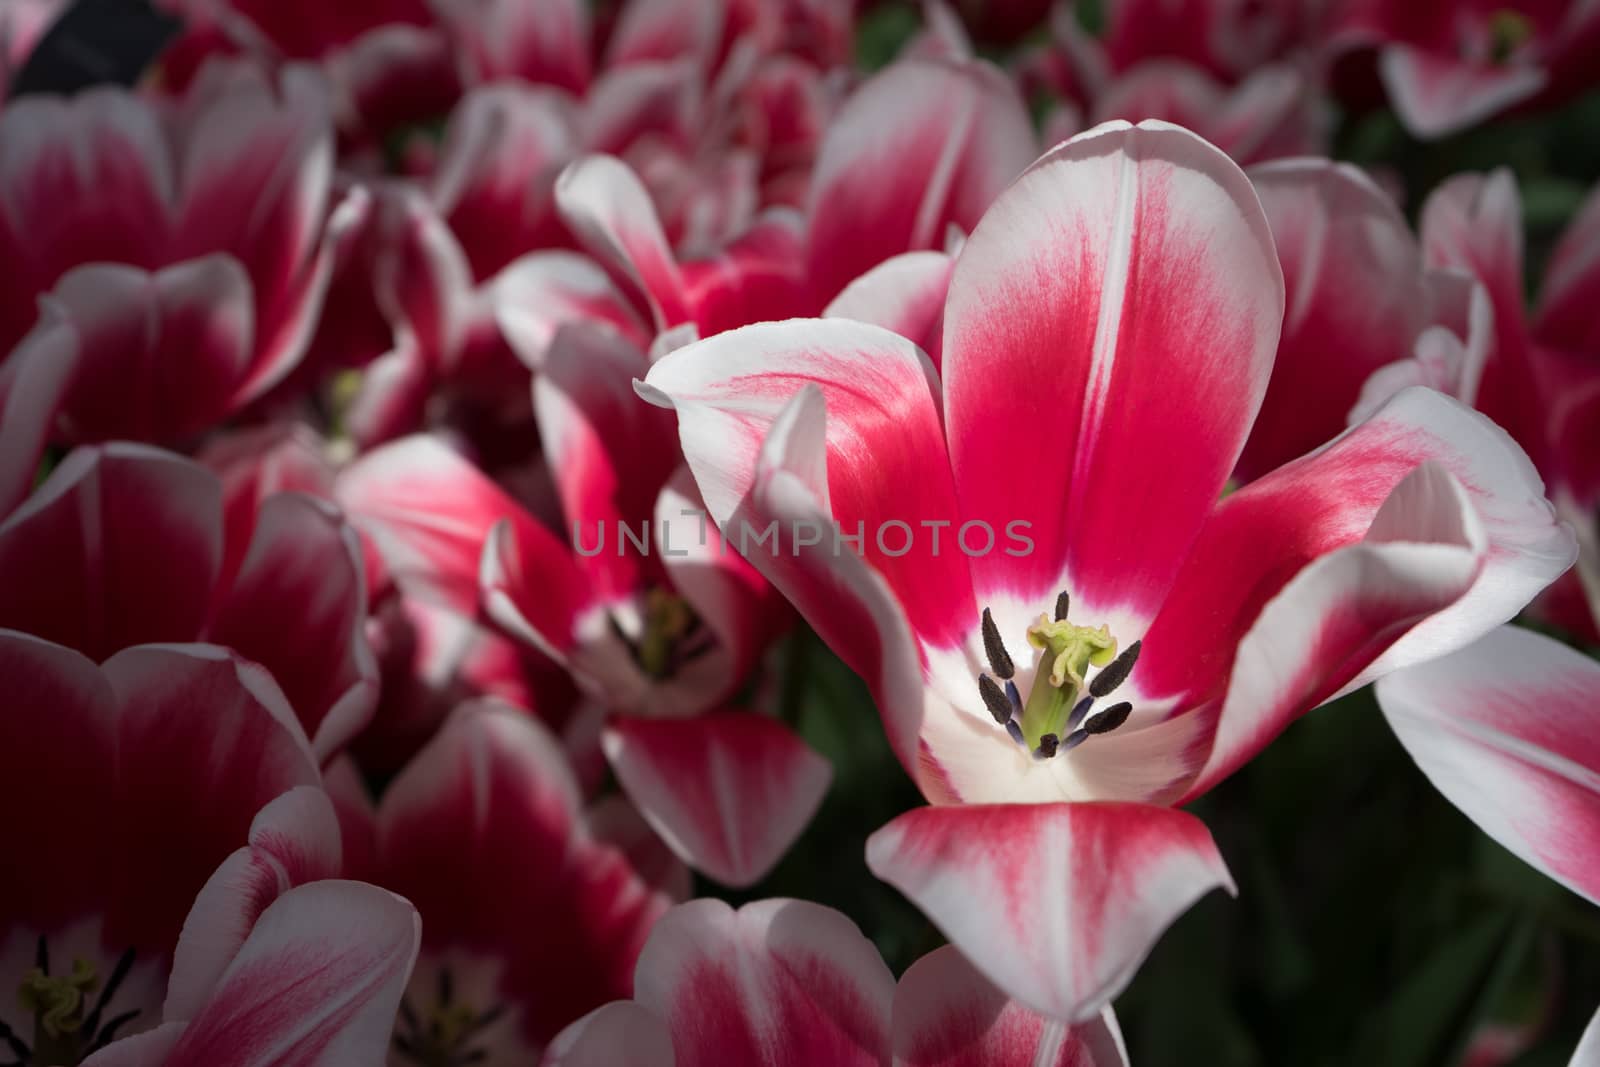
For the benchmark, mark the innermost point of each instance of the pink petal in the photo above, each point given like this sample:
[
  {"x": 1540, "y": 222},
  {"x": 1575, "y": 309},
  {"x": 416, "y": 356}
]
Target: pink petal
[
  {"x": 60, "y": 714},
  {"x": 317, "y": 983},
  {"x": 540, "y": 44},
  {"x": 481, "y": 831},
  {"x": 921, "y": 145},
  {"x": 86, "y": 179},
  {"x": 423, "y": 279},
  {"x": 1356, "y": 299},
  {"x": 393, "y": 395},
  {"x": 728, "y": 791},
  {"x": 641, "y": 100},
  {"x": 1425, "y": 549},
  {"x": 614, "y": 821},
  {"x": 299, "y": 608},
  {"x": 1125, "y": 293},
  {"x": 778, "y": 983},
  {"x": 162, "y": 353},
  {"x": 496, "y": 173},
  {"x": 1057, "y": 904},
  {"x": 610, "y": 211},
  {"x": 1572, "y": 283},
  {"x": 608, "y": 453},
  {"x": 946, "y": 1014},
  {"x": 118, "y": 547},
  {"x": 293, "y": 840},
  {"x": 619, "y": 1034},
  {"x": 149, "y": 1049},
  {"x": 33, "y": 383},
  {"x": 1266, "y": 533},
  {"x": 884, "y": 448},
  {"x": 906, "y": 294},
  {"x": 759, "y": 277},
  {"x": 539, "y": 293},
  {"x": 191, "y": 716},
  {"x": 666, "y": 29},
  {"x": 1436, "y": 95},
  {"x": 1505, "y": 729}
]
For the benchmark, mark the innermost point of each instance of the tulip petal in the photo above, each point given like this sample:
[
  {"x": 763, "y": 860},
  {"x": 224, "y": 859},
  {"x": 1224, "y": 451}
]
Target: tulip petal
[
  {"x": 1588, "y": 1053},
  {"x": 619, "y": 1034},
  {"x": 1505, "y": 729},
  {"x": 539, "y": 293},
  {"x": 1436, "y": 95},
  {"x": 921, "y": 145},
  {"x": 777, "y": 982},
  {"x": 299, "y": 608},
  {"x": 506, "y": 40},
  {"x": 728, "y": 791},
  {"x": 1266, "y": 533},
  {"x": 1424, "y": 551},
  {"x": 884, "y": 460},
  {"x": 482, "y": 831},
  {"x": 1056, "y": 904},
  {"x": 33, "y": 383},
  {"x": 609, "y": 209},
  {"x": 1107, "y": 343},
  {"x": 318, "y": 983},
  {"x": 946, "y": 1014},
  {"x": 1571, "y": 283},
  {"x": 1356, "y": 300},
  {"x": 120, "y": 546},
  {"x": 906, "y": 294}
]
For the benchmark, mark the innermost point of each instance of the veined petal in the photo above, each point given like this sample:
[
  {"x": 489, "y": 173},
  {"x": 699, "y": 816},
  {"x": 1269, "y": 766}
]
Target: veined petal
[
  {"x": 298, "y": 607},
  {"x": 904, "y": 293},
  {"x": 1107, "y": 342},
  {"x": 947, "y": 1014},
  {"x": 921, "y": 145},
  {"x": 609, "y": 453},
  {"x": 482, "y": 831},
  {"x": 293, "y": 840},
  {"x": 318, "y": 982},
  {"x": 1356, "y": 300},
  {"x": 778, "y": 983},
  {"x": 1425, "y": 549},
  {"x": 1260, "y": 537},
  {"x": 539, "y": 293},
  {"x": 1436, "y": 95},
  {"x": 728, "y": 791},
  {"x": 883, "y": 450},
  {"x": 619, "y": 1034},
  {"x": 1056, "y": 904},
  {"x": 609, "y": 209},
  {"x": 1572, "y": 284},
  {"x": 120, "y": 546},
  {"x": 1506, "y": 730}
]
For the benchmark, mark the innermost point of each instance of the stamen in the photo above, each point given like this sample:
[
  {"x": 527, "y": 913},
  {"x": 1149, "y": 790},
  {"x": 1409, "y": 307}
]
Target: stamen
[
  {"x": 1116, "y": 672},
  {"x": 1063, "y": 602},
  {"x": 1074, "y": 739},
  {"x": 1047, "y": 746},
  {"x": 1014, "y": 728},
  {"x": 1014, "y": 696},
  {"x": 1110, "y": 719},
  {"x": 995, "y": 699},
  {"x": 995, "y": 648},
  {"x": 1081, "y": 709}
]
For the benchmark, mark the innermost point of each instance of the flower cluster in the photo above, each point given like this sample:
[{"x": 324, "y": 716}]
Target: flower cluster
[{"x": 428, "y": 429}]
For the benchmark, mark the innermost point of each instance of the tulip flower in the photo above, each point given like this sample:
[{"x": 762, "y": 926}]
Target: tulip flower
[
  {"x": 1097, "y": 637},
  {"x": 787, "y": 983}
]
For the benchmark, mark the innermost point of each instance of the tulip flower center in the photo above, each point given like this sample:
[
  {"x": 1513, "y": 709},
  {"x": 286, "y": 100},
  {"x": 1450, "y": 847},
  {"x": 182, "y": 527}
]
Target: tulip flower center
[
  {"x": 667, "y": 636},
  {"x": 67, "y": 1016},
  {"x": 1508, "y": 31},
  {"x": 1056, "y": 715},
  {"x": 447, "y": 1033}
]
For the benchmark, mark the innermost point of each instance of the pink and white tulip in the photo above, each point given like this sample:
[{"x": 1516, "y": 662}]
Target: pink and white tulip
[
  {"x": 207, "y": 224},
  {"x": 787, "y": 983},
  {"x": 1108, "y": 337}
]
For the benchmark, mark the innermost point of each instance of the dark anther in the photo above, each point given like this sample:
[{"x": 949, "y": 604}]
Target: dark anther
[
  {"x": 1110, "y": 719},
  {"x": 484, "y": 1021},
  {"x": 1062, "y": 603},
  {"x": 408, "y": 1013},
  {"x": 107, "y": 991},
  {"x": 1116, "y": 672},
  {"x": 1047, "y": 746},
  {"x": 41, "y": 956},
  {"x": 15, "y": 1044},
  {"x": 447, "y": 986},
  {"x": 108, "y": 1034},
  {"x": 995, "y": 648},
  {"x": 994, "y": 698},
  {"x": 1079, "y": 710}
]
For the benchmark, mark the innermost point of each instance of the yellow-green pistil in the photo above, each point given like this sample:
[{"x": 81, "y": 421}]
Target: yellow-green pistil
[
  {"x": 667, "y": 620},
  {"x": 1508, "y": 31},
  {"x": 1069, "y": 650},
  {"x": 56, "y": 1003}
]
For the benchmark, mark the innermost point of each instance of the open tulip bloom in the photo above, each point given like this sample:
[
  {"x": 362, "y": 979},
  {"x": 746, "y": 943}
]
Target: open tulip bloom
[{"x": 1067, "y": 623}]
